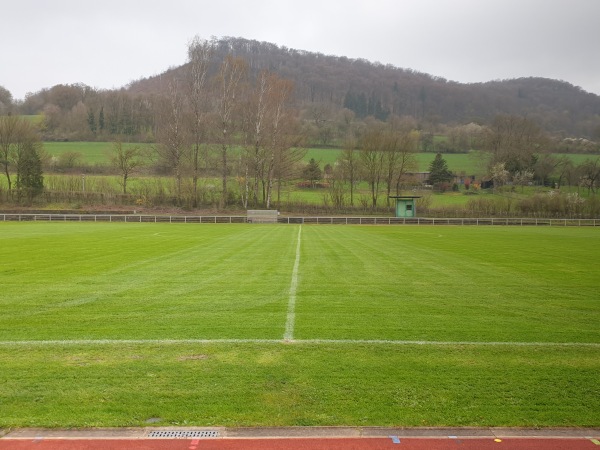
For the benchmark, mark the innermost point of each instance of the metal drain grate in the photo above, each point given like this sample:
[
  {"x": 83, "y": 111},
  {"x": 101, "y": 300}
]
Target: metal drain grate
[{"x": 183, "y": 434}]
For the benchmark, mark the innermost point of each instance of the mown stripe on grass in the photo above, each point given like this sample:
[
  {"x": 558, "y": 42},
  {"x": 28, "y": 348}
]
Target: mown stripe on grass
[{"x": 287, "y": 341}]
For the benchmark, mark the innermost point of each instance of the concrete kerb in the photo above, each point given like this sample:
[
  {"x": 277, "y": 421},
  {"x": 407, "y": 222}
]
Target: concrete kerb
[{"x": 305, "y": 432}]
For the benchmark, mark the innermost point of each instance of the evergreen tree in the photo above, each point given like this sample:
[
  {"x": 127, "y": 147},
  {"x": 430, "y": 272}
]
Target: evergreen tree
[
  {"x": 92, "y": 121},
  {"x": 30, "y": 181},
  {"x": 438, "y": 171},
  {"x": 312, "y": 172},
  {"x": 101, "y": 119}
]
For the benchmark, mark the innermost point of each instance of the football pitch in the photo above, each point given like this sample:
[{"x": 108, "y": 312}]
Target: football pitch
[{"x": 240, "y": 325}]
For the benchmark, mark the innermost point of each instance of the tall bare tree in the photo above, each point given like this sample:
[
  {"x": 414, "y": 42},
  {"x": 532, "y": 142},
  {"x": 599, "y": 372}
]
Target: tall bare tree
[
  {"x": 9, "y": 131},
  {"x": 199, "y": 55},
  {"x": 280, "y": 128},
  {"x": 255, "y": 123},
  {"x": 350, "y": 165},
  {"x": 270, "y": 137},
  {"x": 229, "y": 79},
  {"x": 371, "y": 145},
  {"x": 287, "y": 164},
  {"x": 171, "y": 134},
  {"x": 399, "y": 146}
]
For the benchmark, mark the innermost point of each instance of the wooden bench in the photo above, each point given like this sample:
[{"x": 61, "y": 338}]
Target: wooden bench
[{"x": 262, "y": 216}]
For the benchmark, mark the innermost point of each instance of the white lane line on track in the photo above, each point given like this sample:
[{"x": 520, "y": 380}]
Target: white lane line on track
[
  {"x": 291, "y": 311},
  {"x": 287, "y": 341}
]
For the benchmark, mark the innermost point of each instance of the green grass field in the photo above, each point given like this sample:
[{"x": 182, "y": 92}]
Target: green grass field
[
  {"x": 91, "y": 152},
  {"x": 117, "y": 324},
  {"x": 99, "y": 153}
]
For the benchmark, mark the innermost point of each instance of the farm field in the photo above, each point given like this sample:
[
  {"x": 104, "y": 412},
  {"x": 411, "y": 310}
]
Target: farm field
[
  {"x": 91, "y": 152},
  {"x": 98, "y": 153},
  {"x": 121, "y": 324}
]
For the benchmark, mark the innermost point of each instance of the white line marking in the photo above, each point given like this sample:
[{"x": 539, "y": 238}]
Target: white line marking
[
  {"x": 291, "y": 312},
  {"x": 287, "y": 341}
]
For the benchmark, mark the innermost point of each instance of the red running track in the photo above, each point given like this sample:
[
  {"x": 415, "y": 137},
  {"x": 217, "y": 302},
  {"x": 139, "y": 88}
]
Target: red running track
[{"x": 304, "y": 444}]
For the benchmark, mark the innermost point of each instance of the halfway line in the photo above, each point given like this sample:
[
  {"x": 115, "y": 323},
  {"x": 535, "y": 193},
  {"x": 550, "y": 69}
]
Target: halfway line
[
  {"x": 291, "y": 312},
  {"x": 297, "y": 342}
]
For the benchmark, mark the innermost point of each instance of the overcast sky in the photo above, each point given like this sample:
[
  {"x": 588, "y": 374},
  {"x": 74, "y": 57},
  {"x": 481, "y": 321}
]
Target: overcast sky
[{"x": 109, "y": 43}]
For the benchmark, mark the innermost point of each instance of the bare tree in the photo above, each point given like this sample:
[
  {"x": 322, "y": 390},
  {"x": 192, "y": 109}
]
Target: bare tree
[
  {"x": 399, "y": 145},
  {"x": 9, "y": 131},
  {"x": 280, "y": 125},
  {"x": 69, "y": 160},
  {"x": 543, "y": 168},
  {"x": 171, "y": 134},
  {"x": 373, "y": 158},
  {"x": 350, "y": 165},
  {"x": 255, "y": 126},
  {"x": 319, "y": 116},
  {"x": 229, "y": 79},
  {"x": 590, "y": 174},
  {"x": 287, "y": 165},
  {"x": 199, "y": 55},
  {"x": 270, "y": 136},
  {"x": 337, "y": 189},
  {"x": 127, "y": 160},
  {"x": 566, "y": 170},
  {"x": 514, "y": 141}
]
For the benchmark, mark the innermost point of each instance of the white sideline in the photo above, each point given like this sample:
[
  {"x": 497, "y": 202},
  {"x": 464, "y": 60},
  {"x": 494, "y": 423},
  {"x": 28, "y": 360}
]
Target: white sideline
[
  {"x": 288, "y": 342},
  {"x": 291, "y": 312}
]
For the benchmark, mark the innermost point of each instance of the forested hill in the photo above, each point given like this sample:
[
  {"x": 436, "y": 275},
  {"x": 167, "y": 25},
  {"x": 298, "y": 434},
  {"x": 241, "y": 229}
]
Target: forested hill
[{"x": 374, "y": 89}]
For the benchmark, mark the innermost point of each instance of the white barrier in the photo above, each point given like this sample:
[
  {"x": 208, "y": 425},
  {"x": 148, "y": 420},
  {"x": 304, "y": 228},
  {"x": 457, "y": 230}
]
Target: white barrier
[{"x": 272, "y": 218}]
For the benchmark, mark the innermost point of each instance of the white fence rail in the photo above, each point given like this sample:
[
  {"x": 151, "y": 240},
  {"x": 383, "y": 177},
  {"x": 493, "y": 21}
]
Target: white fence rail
[
  {"x": 133, "y": 218},
  {"x": 138, "y": 218}
]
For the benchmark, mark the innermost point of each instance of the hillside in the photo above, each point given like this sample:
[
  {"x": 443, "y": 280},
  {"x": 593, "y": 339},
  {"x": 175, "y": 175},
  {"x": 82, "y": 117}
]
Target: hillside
[{"x": 369, "y": 88}]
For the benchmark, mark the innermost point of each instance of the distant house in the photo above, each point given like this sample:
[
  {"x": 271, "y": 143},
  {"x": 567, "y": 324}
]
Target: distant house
[{"x": 417, "y": 177}]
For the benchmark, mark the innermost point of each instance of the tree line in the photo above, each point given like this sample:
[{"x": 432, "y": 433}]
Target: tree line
[
  {"x": 327, "y": 90},
  {"x": 247, "y": 134},
  {"x": 245, "y": 127}
]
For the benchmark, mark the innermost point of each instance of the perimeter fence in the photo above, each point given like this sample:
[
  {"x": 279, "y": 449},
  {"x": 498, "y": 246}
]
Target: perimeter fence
[{"x": 146, "y": 218}]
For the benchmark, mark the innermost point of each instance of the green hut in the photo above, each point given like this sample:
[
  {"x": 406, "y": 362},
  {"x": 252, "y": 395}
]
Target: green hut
[{"x": 406, "y": 206}]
